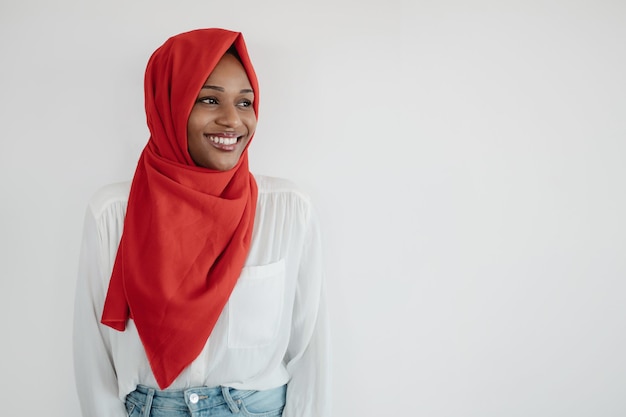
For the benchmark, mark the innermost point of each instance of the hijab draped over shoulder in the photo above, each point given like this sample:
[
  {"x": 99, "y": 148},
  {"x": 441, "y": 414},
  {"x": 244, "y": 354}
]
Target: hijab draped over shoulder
[{"x": 187, "y": 229}]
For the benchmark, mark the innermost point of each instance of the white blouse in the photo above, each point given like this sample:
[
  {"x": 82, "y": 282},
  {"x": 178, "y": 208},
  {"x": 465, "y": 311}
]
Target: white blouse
[{"x": 273, "y": 330}]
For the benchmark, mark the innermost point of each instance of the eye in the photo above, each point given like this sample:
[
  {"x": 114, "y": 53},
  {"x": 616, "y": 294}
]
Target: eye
[
  {"x": 245, "y": 103},
  {"x": 208, "y": 100}
]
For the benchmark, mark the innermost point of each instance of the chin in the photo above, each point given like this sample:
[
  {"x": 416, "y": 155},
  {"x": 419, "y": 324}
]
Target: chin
[{"x": 223, "y": 166}]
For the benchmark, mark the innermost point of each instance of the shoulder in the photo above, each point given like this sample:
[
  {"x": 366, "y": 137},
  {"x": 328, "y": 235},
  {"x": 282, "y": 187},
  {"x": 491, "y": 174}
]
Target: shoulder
[
  {"x": 282, "y": 200},
  {"x": 275, "y": 185},
  {"x": 109, "y": 196}
]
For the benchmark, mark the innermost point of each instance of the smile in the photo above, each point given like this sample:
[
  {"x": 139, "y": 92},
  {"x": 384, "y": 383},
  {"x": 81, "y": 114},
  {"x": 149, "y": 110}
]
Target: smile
[{"x": 222, "y": 140}]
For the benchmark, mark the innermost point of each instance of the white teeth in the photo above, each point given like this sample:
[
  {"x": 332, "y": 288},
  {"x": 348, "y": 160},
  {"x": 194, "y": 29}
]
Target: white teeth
[{"x": 223, "y": 141}]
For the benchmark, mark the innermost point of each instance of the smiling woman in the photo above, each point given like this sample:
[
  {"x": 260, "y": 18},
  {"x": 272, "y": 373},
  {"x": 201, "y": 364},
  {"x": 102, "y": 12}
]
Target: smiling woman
[
  {"x": 200, "y": 288},
  {"x": 222, "y": 120}
]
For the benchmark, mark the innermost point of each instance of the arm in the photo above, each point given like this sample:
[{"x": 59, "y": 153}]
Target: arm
[
  {"x": 96, "y": 380},
  {"x": 308, "y": 354}
]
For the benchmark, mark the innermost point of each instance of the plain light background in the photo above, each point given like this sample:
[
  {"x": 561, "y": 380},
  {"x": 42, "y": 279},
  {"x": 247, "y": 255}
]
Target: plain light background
[{"x": 466, "y": 159}]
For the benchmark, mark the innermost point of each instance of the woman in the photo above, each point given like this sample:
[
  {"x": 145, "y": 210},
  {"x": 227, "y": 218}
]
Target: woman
[{"x": 200, "y": 287}]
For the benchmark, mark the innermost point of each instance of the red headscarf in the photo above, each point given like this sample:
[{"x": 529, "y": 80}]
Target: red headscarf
[{"x": 187, "y": 229}]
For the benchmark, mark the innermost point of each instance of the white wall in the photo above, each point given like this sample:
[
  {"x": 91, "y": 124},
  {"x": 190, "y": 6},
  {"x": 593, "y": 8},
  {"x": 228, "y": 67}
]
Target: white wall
[{"x": 466, "y": 157}]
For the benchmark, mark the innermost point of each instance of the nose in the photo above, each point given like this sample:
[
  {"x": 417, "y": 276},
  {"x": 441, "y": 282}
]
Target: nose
[{"x": 228, "y": 116}]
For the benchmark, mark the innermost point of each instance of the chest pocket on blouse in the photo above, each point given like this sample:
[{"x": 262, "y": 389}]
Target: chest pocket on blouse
[{"x": 256, "y": 306}]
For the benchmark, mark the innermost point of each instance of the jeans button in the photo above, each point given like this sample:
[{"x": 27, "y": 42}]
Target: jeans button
[{"x": 193, "y": 398}]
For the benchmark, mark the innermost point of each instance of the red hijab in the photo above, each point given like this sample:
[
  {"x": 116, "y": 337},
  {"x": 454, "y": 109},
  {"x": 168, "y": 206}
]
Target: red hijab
[{"x": 187, "y": 229}]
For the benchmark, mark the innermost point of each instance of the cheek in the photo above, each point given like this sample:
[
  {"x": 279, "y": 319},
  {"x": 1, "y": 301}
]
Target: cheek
[
  {"x": 251, "y": 123},
  {"x": 193, "y": 124},
  {"x": 194, "y": 129}
]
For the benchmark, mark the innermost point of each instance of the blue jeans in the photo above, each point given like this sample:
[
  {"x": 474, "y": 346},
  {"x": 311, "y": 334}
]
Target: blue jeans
[{"x": 205, "y": 402}]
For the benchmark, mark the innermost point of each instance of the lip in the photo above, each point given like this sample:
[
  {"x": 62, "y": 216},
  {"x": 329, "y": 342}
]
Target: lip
[{"x": 223, "y": 146}]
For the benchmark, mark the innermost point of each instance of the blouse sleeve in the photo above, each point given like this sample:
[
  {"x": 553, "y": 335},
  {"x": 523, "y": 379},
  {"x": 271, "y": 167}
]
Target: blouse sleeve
[
  {"x": 308, "y": 353},
  {"x": 96, "y": 379}
]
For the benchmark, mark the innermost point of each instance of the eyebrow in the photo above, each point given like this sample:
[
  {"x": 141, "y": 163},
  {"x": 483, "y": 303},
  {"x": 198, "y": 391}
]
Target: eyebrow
[{"x": 215, "y": 87}]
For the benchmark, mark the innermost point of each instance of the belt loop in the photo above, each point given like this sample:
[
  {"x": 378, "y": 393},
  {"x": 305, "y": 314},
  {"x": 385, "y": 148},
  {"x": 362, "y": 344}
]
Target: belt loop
[
  {"x": 148, "y": 404},
  {"x": 229, "y": 400}
]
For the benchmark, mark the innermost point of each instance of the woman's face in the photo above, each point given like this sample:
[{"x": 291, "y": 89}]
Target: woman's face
[{"x": 222, "y": 120}]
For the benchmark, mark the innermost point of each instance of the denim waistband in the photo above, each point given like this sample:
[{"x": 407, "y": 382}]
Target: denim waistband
[{"x": 191, "y": 399}]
